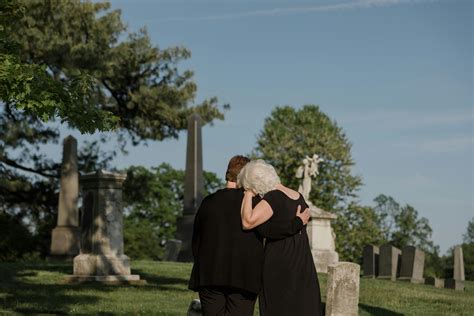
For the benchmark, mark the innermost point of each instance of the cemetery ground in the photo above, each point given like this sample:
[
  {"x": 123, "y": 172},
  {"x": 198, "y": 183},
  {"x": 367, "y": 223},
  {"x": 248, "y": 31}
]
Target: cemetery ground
[{"x": 37, "y": 288}]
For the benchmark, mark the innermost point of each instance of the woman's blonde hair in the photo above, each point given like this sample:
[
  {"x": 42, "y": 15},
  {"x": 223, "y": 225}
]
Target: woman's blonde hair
[{"x": 258, "y": 176}]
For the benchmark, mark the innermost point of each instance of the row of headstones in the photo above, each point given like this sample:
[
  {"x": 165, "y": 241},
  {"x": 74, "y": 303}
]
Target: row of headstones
[
  {"x": 342, "y": 291},
  {"x": 389, "y": 262}
]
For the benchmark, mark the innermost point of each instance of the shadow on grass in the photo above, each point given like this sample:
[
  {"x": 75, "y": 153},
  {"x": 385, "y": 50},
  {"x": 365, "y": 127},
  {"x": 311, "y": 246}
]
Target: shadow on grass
[
  {"x": 23, "y": 296},
  {"x": 155, "y": 282},
  {"x": 374, "y": 310}
]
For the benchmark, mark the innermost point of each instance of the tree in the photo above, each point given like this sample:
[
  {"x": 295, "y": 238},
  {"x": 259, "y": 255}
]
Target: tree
[
  {"x": 53, "y": 44},
  {"x": 29, "y": 87},
  {"x": 468, "y": 237},
  {"x": 357, "y": 226},
  {"x": 289, "y": 135},
  {"x": 402, "y": 227},
  {"x": 153, "y": 201}
]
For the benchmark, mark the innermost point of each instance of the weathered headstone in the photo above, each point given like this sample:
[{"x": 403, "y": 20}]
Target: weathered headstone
[
  {"x": 193, "y": 187},
  {"x": 342, "y": 291},
  {"x": 102, "y": 258},
  {"x": 389, "y": 262},
  {"x": 454, "y": 284},
  {"x": 439, "y": 283},
  {"x": 65, "y": 236},
  {"x": 413, "y": 263},
  {"x": 172, "y": 248},
  {"x": 194, "y": 308},
  {"x": 371, "y": 261},
  {"x": 457, "y": 282}
]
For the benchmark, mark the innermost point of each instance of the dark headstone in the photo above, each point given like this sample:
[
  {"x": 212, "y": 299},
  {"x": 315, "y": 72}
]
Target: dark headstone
[
  {"x": 389, "y": 262},
  {"x": 371, "y": 261},
  {"x": 193, "y": 187},
  {"x": 454, "y": 284},
  {"x": 413, "y": 261},
  {"x": 172, "y": 249},
  {"x": 439, "y": 283}
]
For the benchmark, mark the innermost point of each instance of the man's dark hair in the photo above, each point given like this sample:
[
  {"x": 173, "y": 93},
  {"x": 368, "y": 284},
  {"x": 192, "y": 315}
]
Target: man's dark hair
[{"x": 236, "y": 164}]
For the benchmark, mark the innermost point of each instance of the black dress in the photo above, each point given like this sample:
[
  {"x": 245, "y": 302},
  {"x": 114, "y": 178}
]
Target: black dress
[
  {"x": 290, "y": 281},
  {"x": 225, "y": 255}
]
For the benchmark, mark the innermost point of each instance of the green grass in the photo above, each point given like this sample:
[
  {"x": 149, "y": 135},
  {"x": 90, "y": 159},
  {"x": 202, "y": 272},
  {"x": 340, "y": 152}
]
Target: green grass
[{"x": 36, "y": 288}]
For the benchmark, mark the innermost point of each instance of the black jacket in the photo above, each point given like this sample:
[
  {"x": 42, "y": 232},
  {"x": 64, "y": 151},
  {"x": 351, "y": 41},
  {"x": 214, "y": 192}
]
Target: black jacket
[{"x": 224, "y": 253}]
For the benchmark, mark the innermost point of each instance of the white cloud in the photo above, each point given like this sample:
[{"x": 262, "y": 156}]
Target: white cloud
[{"x": 351, "y": 5}]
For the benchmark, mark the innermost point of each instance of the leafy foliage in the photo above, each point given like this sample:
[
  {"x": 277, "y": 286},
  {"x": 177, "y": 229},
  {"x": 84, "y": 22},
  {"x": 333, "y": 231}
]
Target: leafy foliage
[
  {"x": 468, "y": 237},
  {"x": 289, "y": 135},
  {"x": 74, "y": 60}
]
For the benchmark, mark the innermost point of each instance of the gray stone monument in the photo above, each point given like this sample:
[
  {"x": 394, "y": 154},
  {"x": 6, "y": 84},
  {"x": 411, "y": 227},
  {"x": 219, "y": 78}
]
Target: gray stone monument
[
  {"x": 458, "y": 264},
  {"x": 102, "y": 258},
  {"x": 193, "y": 187},
  {"x": 457, "y": 282},
  {"x": 371, "y": 261},
  {"x": 389, "y": 262},
  {"x": 413, "y": 264},
  {"x": 342, "y": 292},
  {"x": 320, "y": 233},
  {"x": 172, "y": 249},
  {"x": 65, "y": 237},
  {"x": 439, "y": 283}
]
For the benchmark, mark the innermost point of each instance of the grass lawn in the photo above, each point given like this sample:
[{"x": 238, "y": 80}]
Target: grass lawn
[{"x": 36, "y": 288}]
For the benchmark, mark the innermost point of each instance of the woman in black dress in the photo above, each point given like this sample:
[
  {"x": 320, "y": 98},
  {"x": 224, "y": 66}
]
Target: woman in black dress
[{"x": 290, "y": 281}]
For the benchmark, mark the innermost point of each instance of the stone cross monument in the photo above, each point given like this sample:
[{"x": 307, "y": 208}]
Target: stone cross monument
[
  {"x": 102, "y": 258},
  {"x": 320, "y": 233},
  {"x": 65, "y": 237},
  {"x": 193, "y": 187}
]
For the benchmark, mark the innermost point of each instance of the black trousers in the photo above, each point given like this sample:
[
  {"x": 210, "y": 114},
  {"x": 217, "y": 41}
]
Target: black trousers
[{"x": 217, "y": 301}]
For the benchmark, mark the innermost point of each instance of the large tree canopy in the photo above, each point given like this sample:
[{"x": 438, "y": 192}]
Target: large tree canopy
[
  {"x": 85, "y": 48},
  {"x": 74, "y": 61},
  {"x": 289, "y": 135}
]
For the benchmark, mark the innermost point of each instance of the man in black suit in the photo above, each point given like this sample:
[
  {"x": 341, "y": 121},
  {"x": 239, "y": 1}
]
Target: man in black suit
[{"x": 228, "y": 260}]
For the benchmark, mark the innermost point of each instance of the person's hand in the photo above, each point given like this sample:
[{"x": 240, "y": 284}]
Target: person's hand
[
  {"x": 304, "y": 216},
  {"x": 250, "y": 192}
]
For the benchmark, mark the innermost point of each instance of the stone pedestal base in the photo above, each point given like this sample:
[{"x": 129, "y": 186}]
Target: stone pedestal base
[
  {"x": 184, "y": 232},
  {"x": 101, "y": 265},
  {"x": 439, "y": 283},
  {"x": 457, "y": 285},
  {"x": 65, "y": 242},
  {"x": 411, "y": 280},
  {"x": 106, "y": 279},
  {"x": 323, "y": 258}
]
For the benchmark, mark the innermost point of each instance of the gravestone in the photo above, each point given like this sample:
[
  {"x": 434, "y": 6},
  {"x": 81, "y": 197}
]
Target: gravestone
[
  {"x": 65, "y": 236},
  {"x": 173, "y": 246},
  {"x": 439, "y": 283},
  {"x": 389, "y": 262},
  {"x": 321, "y": 238},
  {"x": 413, "y": 263},
  {"x": 457, "y": 282},
  {"x": 102, "y": 258},
  {"x": 193, "y": 187},
  {"x": 371, "y": 261},
  {"x": 342, "y": 291},
  {"x": 458, "y": 264}
]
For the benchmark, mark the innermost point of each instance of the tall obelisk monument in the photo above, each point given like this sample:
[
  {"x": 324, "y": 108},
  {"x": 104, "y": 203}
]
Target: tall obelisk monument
[
  {"x": 65, "y": 237},
  {"x": 193, "y": 187}
]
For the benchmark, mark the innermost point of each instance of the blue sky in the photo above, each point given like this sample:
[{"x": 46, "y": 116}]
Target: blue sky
[{"x": 396, "y": 75}]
